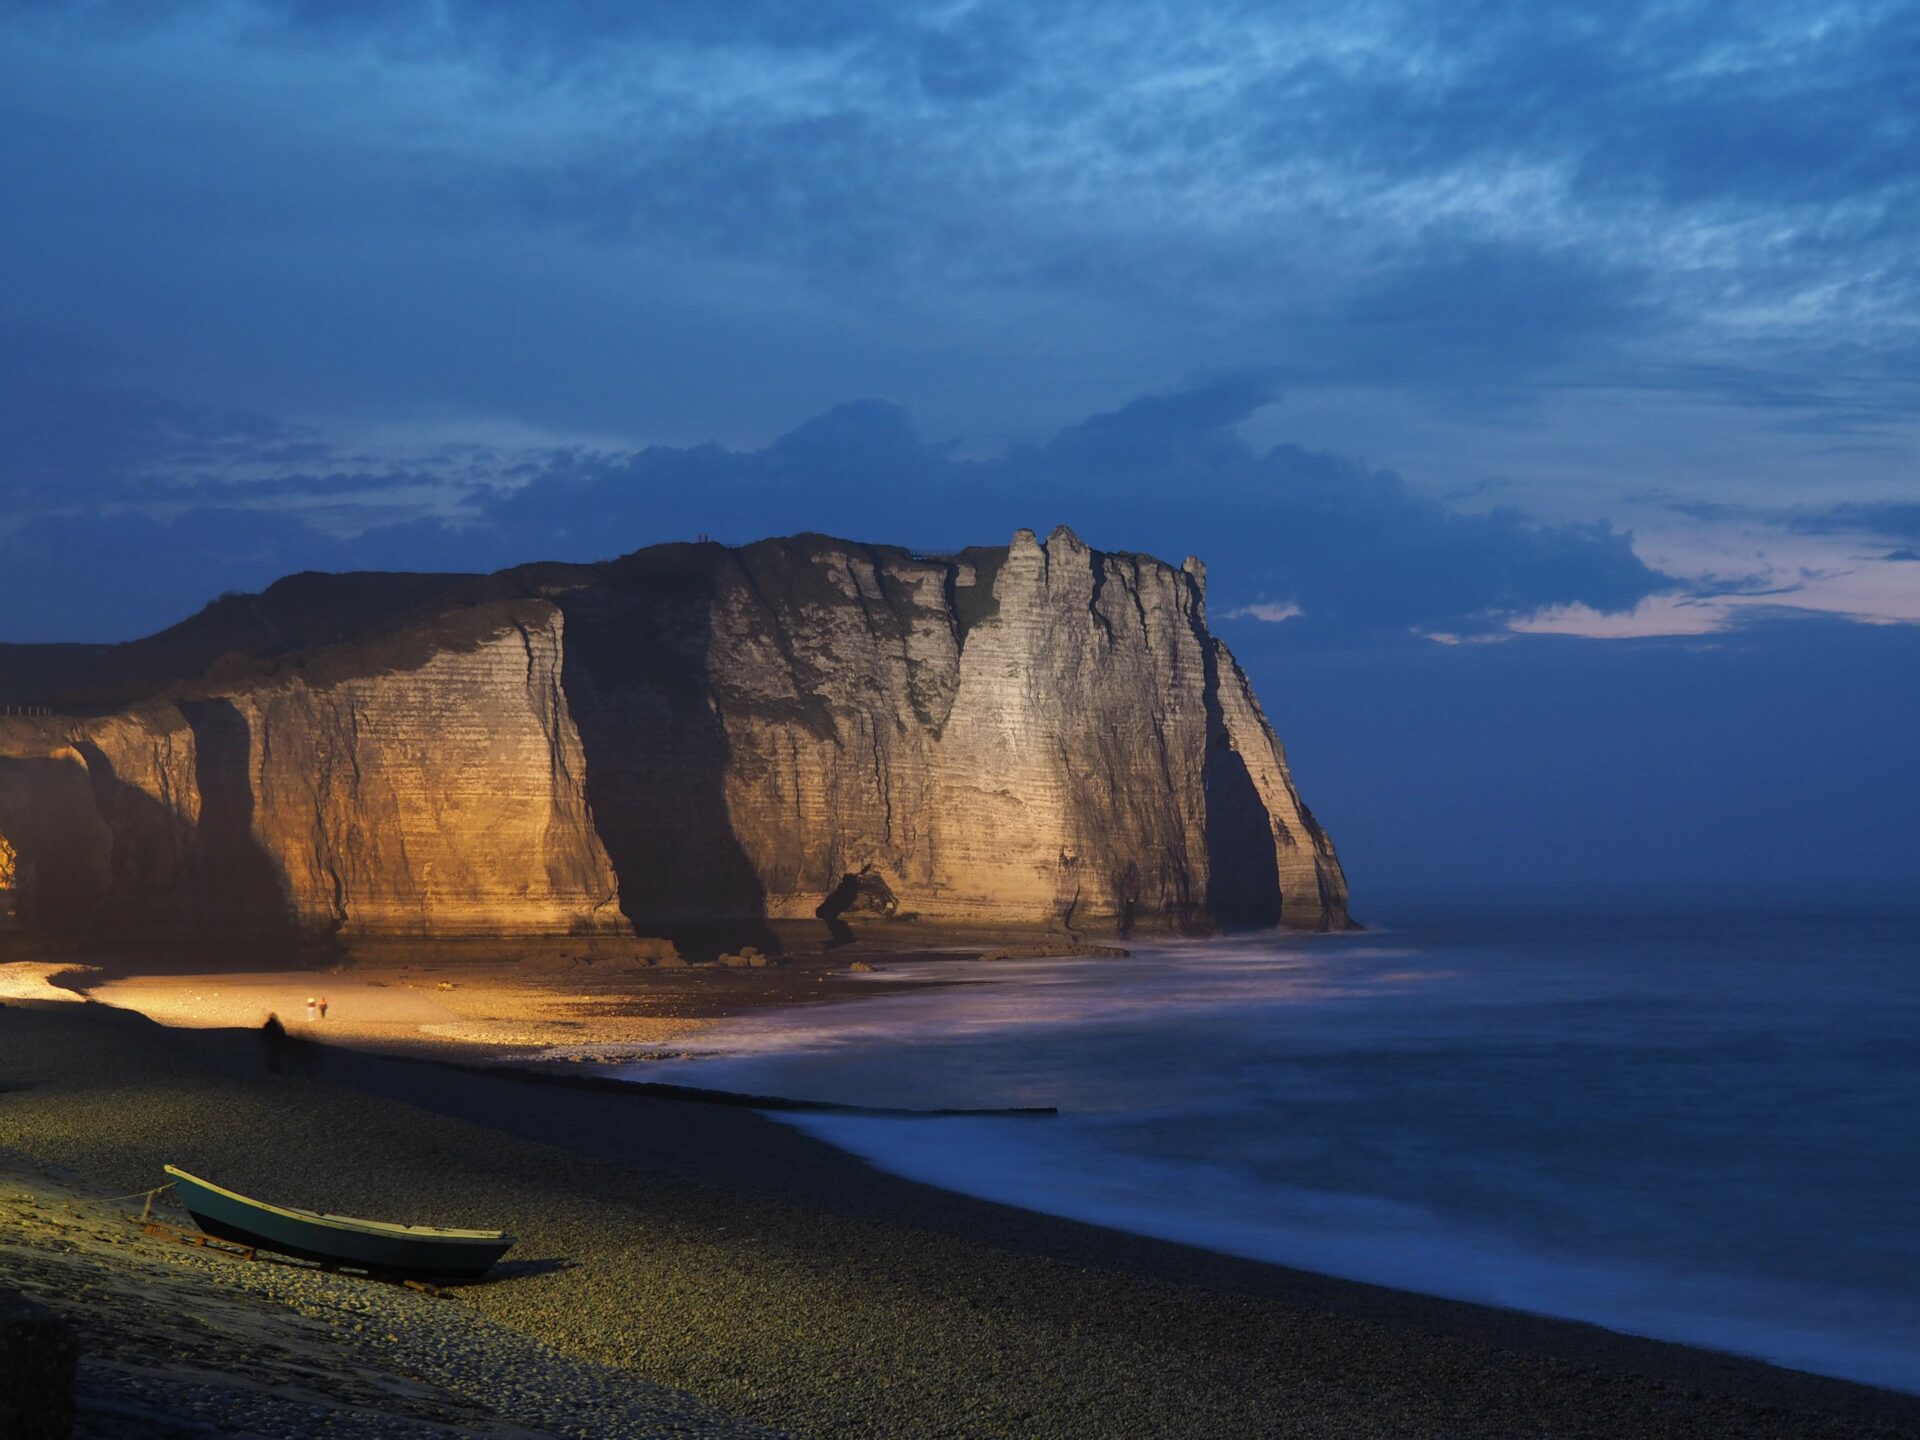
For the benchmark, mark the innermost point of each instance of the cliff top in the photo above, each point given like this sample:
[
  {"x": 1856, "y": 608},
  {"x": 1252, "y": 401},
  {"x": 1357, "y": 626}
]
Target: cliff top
[{"x": 296, "y": 621}]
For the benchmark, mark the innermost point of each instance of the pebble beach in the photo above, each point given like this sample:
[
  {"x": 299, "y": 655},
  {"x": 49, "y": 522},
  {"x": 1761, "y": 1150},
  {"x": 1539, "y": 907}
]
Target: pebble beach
[
  {"x": 687, "y": 1269},
  {"x": 187, "y": 1342}
]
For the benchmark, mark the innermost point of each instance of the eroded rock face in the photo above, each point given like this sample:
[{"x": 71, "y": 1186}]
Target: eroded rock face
[{"x": 1041, "y": 735}]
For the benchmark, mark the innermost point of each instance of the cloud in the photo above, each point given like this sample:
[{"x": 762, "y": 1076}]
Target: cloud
[
  {"x": 1152, "y": 432},
  {"x": 1505, "y": 250},
  {"x": 93, "y": 577},
  {"x": 89, "y": 576},
  {"x": 1266, "y": 611},
  {"x": 1898, "y": 520},
  {"x": 1762, "y": 122},
  {"x": 1485, "y": 308},
  {"x": 1356, "y": 548},
  {"x": 977, "y": 56},
  {"x": 673, "y": 220},
  {"x": 1656, "y": 615},
  {"x": 1748, "y": 560},
  {"x": 1345, "y": 550},
  {"x": 62, "y": 432}
]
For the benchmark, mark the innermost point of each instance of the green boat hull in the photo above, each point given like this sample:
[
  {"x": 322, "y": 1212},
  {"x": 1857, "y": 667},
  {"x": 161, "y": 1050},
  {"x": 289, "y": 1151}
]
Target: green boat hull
[{"x": 336, "y": 1240}]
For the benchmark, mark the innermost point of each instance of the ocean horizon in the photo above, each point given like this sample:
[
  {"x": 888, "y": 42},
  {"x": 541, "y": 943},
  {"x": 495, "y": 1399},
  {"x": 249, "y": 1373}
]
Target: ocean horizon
[{"x": 1689, "y": 1119}]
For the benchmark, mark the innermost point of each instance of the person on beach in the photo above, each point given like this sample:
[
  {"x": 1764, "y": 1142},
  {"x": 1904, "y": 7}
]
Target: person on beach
[
  {"x": 310, "y": 1009},
  {"x": 323, "y": 1007}
]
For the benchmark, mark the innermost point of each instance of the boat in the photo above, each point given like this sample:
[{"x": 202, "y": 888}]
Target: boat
[{"x": 380, "y": 1247}]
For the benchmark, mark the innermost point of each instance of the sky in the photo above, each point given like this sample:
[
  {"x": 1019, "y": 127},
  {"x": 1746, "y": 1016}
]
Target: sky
[{"x": 1538, "y": 382}]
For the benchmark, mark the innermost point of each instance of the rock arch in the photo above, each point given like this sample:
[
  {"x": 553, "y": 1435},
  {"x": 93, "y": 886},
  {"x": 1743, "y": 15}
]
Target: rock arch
[
  {"x": 61, "y": 848},
  {"x": 9, "y": 874}
]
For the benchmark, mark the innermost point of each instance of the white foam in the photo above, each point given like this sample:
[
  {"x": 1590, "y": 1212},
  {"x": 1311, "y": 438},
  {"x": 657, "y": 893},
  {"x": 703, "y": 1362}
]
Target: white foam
[
  {"x": 1036, "y": 1166},
  {"x": 1684, "y": 1143}
]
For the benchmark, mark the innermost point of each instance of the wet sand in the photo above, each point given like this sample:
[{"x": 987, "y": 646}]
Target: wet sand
[
  {"x": 400, "y": 1008},
  {"x": 715, "y": 1252},
  {"x": 601, "y": 1000}
]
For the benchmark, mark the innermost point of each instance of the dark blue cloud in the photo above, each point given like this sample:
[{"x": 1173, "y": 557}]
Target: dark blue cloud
[
  {"x": 65, "y": 436},
  {"x": 1895, "y": 520},
  {"x": 90, "y": 577},
  {"x": 1448, "y": 312},
  {"x": 1155, "y": 432},
  {"x": 972, "y": 57},
  {"x": 509, "y": 31},
  {"x": 1679, "y": 103},
  {"x": 1489, "y": 243},
  {"x": 604, "y": 217},
  {"x": 1809, "y": 119},
  {"x": 1355, "y": 549}
]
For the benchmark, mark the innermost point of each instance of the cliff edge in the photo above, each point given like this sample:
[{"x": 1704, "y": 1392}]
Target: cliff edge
[{"x": 1041, "y": 734}]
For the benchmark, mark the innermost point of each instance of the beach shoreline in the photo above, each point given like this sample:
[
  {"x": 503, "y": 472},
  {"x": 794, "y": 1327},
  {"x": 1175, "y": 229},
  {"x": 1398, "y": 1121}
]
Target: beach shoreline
[
  {"x": 604, "y": 1000},
  {"x": 716, "y": 1252}
]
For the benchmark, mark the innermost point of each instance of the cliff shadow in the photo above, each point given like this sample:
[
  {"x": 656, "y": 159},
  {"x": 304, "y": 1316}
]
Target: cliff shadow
[
  {"x": 635, "y": 674},
  {"x": 151, "y": 843},
  {"x": 234, "y": 881},
  {"x": 1243, "y": 863},
  {"x": 92, "y": 853},
  {"x": 58, "y": 850},
  {"x": 1243, "y": 870}
]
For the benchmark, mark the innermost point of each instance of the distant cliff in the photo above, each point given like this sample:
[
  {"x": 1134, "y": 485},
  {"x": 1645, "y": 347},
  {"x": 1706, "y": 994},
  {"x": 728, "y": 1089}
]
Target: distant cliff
[{"x": 1040, "y": 734}]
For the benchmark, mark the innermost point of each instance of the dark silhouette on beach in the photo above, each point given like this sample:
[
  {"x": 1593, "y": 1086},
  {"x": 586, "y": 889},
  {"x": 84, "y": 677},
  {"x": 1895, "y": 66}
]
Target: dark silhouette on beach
[{"x": 284, "y": 1054}]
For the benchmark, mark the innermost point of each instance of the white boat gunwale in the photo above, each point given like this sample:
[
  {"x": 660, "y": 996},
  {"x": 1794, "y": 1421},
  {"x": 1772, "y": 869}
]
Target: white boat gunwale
[{"x": 345, "y": 1222}]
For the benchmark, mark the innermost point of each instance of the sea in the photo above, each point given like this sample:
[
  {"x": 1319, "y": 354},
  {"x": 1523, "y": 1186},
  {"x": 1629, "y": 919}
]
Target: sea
[{"x": 1696, "y": 1119}]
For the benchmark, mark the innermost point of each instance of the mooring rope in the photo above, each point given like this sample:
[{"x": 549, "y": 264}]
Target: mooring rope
[
  {"x": 146, "y": 1210},
  {"x": 139, "y": 1194}
]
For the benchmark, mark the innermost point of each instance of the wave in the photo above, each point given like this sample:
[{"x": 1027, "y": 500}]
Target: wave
[
  {"x": 1685, "y": 1132},
  {"x": 1386, "y": 1242}
]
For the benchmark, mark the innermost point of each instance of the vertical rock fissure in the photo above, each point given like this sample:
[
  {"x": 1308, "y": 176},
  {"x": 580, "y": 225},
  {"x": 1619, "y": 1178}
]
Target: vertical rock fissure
[
  {"x": 1099, "y": 567},
  {"x": 1135, "y": 587},
  {"x": 950, "y": 592},
  {"x": 883, "y": 781},
  {"x": 324, "y": 840}
]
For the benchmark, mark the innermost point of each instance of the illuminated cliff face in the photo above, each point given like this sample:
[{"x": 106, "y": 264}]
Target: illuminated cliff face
[
  {"x": 1038, "y": 735},
  {"x": 9, "y": 868}
]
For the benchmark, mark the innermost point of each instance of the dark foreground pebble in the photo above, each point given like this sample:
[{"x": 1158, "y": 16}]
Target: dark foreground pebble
[{"x": 717, "y": 1254}]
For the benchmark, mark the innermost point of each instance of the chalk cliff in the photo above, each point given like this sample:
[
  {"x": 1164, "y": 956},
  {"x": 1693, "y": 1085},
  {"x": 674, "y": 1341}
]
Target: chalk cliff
[{"x": 1040, "y": 734}]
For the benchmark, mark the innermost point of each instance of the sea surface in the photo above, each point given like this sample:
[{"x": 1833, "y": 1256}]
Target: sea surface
[{"x": 1700, "y": 1123}]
